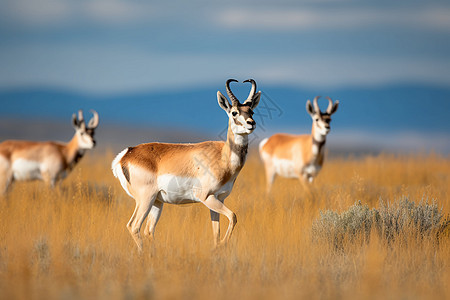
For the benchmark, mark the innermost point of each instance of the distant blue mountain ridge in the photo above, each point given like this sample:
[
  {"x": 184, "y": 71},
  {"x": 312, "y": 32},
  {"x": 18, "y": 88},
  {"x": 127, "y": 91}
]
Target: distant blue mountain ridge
[{"x": 396, "y": 109}]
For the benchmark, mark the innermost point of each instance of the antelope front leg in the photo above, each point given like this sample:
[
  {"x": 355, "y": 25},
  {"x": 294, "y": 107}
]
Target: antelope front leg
[
  {"x": 217, "y": 206},
  {"x": 305, "y": 181},
  {"x": 49, "y": 178}
]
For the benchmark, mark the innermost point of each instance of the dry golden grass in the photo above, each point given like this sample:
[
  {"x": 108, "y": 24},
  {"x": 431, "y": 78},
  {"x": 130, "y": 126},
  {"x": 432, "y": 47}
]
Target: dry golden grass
[{"x": 72, "y": 242}]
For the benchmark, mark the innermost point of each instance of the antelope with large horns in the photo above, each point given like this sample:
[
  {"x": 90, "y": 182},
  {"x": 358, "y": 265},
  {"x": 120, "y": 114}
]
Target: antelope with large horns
[
  {"x": 48, "y": 161},
  {"x": 158, "y": 173},
  {"x": 298, "y": 156}
]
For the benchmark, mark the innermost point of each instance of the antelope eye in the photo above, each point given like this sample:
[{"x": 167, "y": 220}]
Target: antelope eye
[
  {"x": 234, "y": 113},
  {"x": 317, "y": 119}
]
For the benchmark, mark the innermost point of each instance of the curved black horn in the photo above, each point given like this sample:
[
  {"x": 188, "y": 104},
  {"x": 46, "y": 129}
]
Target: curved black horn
[
  {"x": 80, "y": 116},
  {"x": 93, "y": 123},
  {"x": 252, "y": 91},
  {"x": 234, "y": 100},
  {"x": 316, "y": 105},
  {"x": 330, "y": 104}
]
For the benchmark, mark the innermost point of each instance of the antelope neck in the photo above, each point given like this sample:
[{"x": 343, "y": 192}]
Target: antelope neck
[
  {"x": 238, "y": 146},
  {"x": 318, "y": 141},
  {"x": 72, "y": 152}
]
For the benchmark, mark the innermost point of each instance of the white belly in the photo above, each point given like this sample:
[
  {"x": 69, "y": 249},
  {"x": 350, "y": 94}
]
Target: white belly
[
  {"x": 26, "y": 169},
  {"x": 179, "y": 190},
  {"x": 285, "y": 168}
]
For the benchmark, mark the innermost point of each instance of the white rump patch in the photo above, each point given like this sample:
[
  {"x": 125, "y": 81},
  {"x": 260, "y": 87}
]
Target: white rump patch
[
  {"x": 262, "y": 143},
  {"x": 115, "y": 166},
  {"x": 118, "y": 173}
]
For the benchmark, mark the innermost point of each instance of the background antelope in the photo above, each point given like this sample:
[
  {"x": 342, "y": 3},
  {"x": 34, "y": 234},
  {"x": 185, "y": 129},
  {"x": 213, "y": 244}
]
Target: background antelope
[
  {"x": 298, "y": 156},
  {"x": 158, "y": 173},
  {"x": 47, "y": 161}
]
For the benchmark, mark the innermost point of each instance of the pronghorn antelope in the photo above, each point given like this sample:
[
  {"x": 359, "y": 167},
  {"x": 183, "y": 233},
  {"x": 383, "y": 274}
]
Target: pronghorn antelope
[
  {"x": 158, "y": 173},
  {"x": 47, "y": 161},
  {"x": 298, "y": 156}
]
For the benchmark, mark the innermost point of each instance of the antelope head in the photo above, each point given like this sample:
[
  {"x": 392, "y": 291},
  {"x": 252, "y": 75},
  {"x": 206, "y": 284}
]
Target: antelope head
[
  {"x": 240, "y": 115},
  {"x": 321, "y": 120},
  {"x": 85, "y": 133}
]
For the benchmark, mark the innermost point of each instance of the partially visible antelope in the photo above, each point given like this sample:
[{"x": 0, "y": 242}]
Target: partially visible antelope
[
  {"x": 158, "y": 173},
  {"x": 47, "y": 161},
  {"x": 298, "y": 156}
]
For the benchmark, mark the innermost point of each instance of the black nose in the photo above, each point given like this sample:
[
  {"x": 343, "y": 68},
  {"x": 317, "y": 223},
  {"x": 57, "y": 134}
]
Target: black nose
[{"x": 252, "y": 122}]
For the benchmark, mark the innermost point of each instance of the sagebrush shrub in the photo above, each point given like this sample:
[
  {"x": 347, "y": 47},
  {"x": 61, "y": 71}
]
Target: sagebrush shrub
[
  {"x": 401, "y": 218},
  {"x": 405, "y": 217}
]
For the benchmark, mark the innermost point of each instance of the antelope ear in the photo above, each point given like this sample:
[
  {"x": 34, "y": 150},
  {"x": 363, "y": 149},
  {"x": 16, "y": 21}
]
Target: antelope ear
[
  {"x": 309, "y": 108},
  {"x": 223, "y": 102},
  {"x": 335, "y": 107},
  {"x": 255, "y": 100}
]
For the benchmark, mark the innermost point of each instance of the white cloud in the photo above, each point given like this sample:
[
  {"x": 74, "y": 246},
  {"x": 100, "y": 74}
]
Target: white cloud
[
  {"x": 57, "y": 12},
  {"x": 42, "y": 12},
  {"x": 117, "y": 10},
  {"x": 329, "y": 71},
  {"x": 286, "y": 15},
  {"x": 87, "y": 64},
  {"x": 435, "y": 18},
  {"x": 104, "y": 69}
]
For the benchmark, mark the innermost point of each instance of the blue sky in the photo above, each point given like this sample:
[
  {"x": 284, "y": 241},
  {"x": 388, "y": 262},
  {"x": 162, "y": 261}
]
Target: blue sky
[{"x": 118, "y": 46}]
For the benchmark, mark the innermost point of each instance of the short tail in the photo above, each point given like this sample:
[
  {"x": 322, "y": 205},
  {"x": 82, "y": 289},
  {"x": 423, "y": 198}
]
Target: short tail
[
  {"x": 116, "y": 166},
  {"x": 117, "y": 170},
  {"x": 261, "y": 144}
]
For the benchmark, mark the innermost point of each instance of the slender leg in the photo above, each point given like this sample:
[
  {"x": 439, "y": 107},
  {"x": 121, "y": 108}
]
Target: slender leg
[
  {"x": 143, "y": 206},
  {"x": 153, "y": 218},
  {"x": 305, "y": 180},
  {"x": 270, "y": 176},
  {"x": 217, "y": 206},
  {"x": 6, "y": 176},
  {"x": 4, "y": 184},
  {"x": 48, "y": 178},
  {"x": 215, "y": 226}
]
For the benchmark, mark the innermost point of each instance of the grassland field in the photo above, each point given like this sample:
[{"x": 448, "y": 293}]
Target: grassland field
[{"x": 71, "y": 242}]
